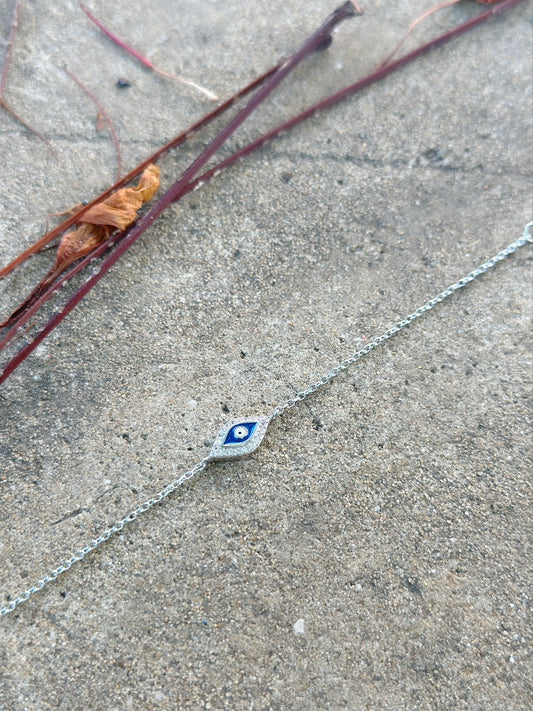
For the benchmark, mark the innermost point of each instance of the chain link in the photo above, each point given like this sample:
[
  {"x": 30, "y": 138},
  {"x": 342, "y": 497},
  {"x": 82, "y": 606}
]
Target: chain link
[{"x": 200, "y": 466}]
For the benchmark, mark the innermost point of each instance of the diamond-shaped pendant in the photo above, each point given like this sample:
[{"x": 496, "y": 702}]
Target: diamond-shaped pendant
[{"x": 239, "y": 438}]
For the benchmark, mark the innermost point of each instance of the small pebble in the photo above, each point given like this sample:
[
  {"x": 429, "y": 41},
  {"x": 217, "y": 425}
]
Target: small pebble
[{"x": 299, "y": 627}]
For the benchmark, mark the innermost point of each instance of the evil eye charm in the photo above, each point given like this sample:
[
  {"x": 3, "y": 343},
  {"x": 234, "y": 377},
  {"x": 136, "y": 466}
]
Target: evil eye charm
[{"x": 239, "y": 438}]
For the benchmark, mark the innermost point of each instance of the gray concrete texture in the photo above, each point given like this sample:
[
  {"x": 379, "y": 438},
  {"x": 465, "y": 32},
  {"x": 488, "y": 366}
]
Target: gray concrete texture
[{"x": 375, "y": 552}]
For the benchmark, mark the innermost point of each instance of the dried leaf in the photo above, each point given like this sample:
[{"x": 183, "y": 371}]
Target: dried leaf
[
  {"x": 115, "y": 212},
  {"x": 120, "y": 209},
  {"x": 77, "y": 244}
]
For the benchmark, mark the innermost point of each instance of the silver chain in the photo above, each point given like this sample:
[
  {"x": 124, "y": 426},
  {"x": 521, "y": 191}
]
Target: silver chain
[
  {"x": 102, "y": 538},
  {"x": 526, "y": 237},
  {"x": 200, "y": 466}
]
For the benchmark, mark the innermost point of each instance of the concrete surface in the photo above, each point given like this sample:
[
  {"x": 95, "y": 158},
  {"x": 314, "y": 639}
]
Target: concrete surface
[{"x": 375, "y": 552}]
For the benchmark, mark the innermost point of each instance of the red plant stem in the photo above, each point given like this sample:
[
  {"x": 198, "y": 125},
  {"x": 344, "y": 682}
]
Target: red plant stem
[
  {"x": 174, "y": 143},
  {"x": 136, "y": 230},
  {"x": 104, "y": 114},
  {"x": 143, "y": 60},
  {"x": 116, "y": 40}
]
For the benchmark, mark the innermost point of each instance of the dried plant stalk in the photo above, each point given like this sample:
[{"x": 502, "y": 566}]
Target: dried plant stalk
[{"x": 319, "y": 39}]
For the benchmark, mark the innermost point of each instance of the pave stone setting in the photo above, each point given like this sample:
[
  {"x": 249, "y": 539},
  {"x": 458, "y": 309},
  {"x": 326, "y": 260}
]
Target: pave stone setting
[{"x": 239, "y": 438}]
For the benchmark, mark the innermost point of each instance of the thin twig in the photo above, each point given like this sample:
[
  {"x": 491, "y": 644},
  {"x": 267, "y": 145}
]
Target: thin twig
[
  {"x": 3, "y": 77},
  {"x": 139, "y": 57},
  {"x": 105, "y": 115},
  {"x": 27, "y": 126},
  {"x": 69, "y": 211}
]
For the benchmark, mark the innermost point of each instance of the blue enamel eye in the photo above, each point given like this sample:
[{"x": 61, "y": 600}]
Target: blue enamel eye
[{"x": 240, "y": 433}]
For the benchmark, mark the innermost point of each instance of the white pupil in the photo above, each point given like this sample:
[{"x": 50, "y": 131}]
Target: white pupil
[{"x": 240, "y": 432}]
